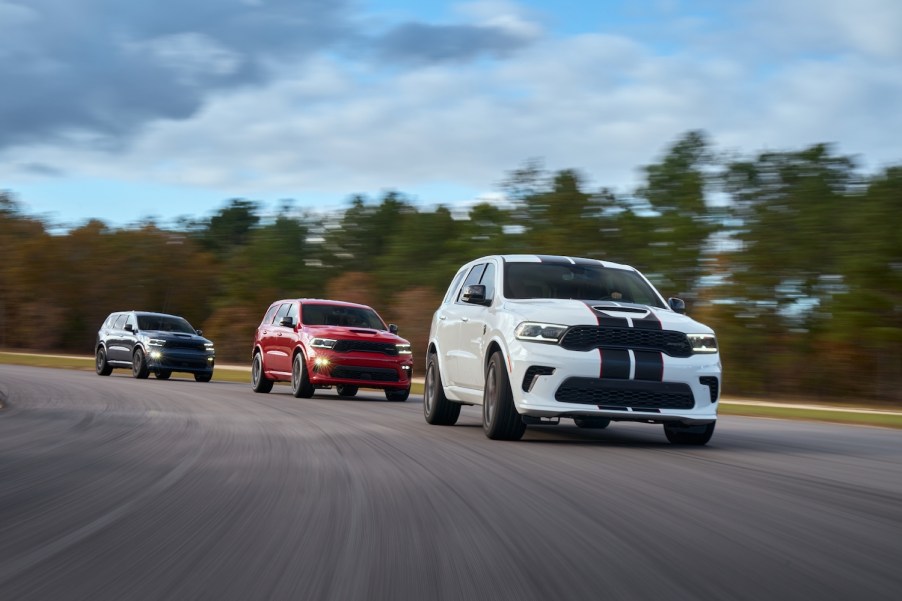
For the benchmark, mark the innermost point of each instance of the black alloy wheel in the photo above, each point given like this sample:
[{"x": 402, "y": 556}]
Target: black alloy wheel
[
  {"x": 301, "y": 387},
  {"x": 500, "y": 419},
  {"x": 437, "y": 409},
  {"x": 102, "y": 367},
  {"x": 139, "y": 365},
  {"x": 259, "y": 382}
]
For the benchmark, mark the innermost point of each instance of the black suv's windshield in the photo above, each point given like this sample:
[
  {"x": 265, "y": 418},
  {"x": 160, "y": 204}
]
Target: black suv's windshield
[
  {"x": 582, "y": 282},
  {"x": 164, "y": 323},
  {"x": 340, "y": 315}
]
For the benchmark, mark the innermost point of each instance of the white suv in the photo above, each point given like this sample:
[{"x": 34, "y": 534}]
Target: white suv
[{"x": 536, "y": 338}]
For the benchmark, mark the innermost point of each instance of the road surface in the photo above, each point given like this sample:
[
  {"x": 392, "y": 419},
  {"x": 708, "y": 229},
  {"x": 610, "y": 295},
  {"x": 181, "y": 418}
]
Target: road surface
[{"x": 114, "y": 488}]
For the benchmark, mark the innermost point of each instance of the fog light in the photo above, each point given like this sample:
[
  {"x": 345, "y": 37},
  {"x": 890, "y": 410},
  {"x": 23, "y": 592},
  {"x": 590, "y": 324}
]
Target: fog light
[
  {"x": 321, "y": 362},
  {"x": 405, "y": 367},
  {"x": 155, "y": 354}
]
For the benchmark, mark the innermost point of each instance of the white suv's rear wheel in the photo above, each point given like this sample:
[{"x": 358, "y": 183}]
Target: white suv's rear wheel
[{"x": 500, "y": 419}]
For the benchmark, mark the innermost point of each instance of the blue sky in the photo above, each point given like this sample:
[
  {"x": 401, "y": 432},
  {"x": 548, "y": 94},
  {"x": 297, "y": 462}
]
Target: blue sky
[{"x": 166, "y": 109}]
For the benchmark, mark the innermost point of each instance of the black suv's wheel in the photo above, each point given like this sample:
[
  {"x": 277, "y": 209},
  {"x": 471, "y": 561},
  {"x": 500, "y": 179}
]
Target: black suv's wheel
[
  {"x": 346, "y": 390},
  {"x": 300, "y": 383},
  {"x": 259, "y": 382},
  {"x": 103, "y": 368},
  {"x": 163, "y": 374},
  {"x": 500, "y": 419},
  {"x": 689, "y": 435},
  {"x": 396, "y": 394},
  {"x": 437, "y": 409},
  {"x": 592, "y": 423},
  {"x": 139, "y": 365},
  {"x": 203, "y": 377}
]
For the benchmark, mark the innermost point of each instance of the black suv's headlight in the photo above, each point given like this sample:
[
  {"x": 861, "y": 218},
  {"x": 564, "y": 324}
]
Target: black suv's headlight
[
  {"x": 540, "y": 332},
  {"x": 156, "y": 342},
  {"x": 703, "y": 343}
]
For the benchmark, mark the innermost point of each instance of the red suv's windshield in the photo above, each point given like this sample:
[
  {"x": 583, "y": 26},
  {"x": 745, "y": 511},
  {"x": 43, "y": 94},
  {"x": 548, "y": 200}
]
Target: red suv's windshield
[{"x": 340, "y": 315}]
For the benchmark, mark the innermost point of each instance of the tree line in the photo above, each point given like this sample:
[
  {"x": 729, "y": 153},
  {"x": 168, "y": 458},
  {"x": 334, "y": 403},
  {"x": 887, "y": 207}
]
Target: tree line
[{"x": 794, "y": 257}]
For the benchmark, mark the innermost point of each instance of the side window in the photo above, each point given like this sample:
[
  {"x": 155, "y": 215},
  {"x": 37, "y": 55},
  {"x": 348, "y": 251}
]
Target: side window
[
  {"x": 452, "y": 289},
  {"x": 132, "y": 320},
  {"x": 293, "y": 312},
  {"x": 267, "y": 319},
  {"x": 488, "y": 280},
  {"x": 120, "y": 321},
  {"x": 472, "y": 278},
  {"x": 283, "y": 311}
]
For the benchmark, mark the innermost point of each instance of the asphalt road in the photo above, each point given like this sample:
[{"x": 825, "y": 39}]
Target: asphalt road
[{"x": 114, "y": 488}]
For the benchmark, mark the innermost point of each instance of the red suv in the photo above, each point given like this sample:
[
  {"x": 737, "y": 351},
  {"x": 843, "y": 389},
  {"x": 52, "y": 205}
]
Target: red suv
[{"x": 315, "y": 343}]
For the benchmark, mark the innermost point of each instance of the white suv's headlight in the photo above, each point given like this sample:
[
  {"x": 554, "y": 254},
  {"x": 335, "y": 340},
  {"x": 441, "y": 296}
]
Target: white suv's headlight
[
  {"x": 540, "y": 332},
  {"x": 323, "y": 343},
  {"x": 703, "y": 343},
  {"x": 403, "y": 349}
]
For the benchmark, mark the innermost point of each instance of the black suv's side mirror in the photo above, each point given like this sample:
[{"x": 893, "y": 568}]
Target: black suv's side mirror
[
  {"x": 393, "y": 328},
  {"x": 475, "y": 294},
  {"x": 287, "y": 321},
  {"x": 129, "y": 328},
  {"x": 199, "y": 332},
  {"x": 677, "y": 304}
]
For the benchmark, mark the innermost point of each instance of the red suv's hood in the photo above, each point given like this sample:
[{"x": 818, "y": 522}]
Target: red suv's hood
[{"x": 344, "y": 333}]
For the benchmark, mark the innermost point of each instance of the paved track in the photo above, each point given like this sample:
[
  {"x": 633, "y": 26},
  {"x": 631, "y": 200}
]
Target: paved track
[{"x": 112, "y": 488}]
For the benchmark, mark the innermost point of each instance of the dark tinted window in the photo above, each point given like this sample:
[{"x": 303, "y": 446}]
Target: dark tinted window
[
  {"x": 164, "y": 323},
  {"x": 267, "y": 319},
  {"x": 472, "y": 278},
  {"x": 283, "y": 311},
  {"x": 583, "y": 282},
  {"x": 340, "y": 315},
  {"x": 488, "y": 280},
  {"x": 452, "y": 290}
]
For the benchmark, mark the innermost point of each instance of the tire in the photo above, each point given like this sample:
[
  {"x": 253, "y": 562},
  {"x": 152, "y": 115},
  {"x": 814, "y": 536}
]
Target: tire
[
  {"x": 163, "y": 374},
  {"x": 259, "y": 382},
  {"x": 301, "y": 387},
  {"x": 203, "y": 377},
  {"x": 437, "y": 409},
  {"x": 500, "y": 419},
  {"x": 346, "y": 390},
  {"x": 592, "y": 423},
  {"x": 139, "y": 365},
  {"x": 101, "y": 366},
  {"x": 689, "y": 435},
  {"x": 398, "y": 395}
]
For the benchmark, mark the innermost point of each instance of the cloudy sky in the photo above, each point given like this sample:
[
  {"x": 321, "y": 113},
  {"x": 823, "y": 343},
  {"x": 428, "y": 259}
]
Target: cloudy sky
[{"x": 166, "y": 108}]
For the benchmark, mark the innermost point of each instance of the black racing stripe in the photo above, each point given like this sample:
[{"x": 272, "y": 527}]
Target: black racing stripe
[
  {"x": 649, "y": 365},
  {"x": 612, "y": 322},
  {"x": 554, "y": 259},
  {"x": 615, "y": 364},
  {"x": 606, "y": 321},
  {"x": 649, "y": 322}
]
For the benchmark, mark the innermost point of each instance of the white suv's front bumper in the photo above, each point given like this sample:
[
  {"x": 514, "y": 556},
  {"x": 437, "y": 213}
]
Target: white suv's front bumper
[{"x": 539, "y": 400}]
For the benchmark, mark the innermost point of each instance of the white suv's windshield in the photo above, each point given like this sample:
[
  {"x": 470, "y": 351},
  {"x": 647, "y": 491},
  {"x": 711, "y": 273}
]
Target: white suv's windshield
[{"x": 582, "y": 282}]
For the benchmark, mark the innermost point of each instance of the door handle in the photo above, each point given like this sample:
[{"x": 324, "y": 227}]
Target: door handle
[
  {"x": 465, "y": 319},
  {"x": 441, "y": 317}
]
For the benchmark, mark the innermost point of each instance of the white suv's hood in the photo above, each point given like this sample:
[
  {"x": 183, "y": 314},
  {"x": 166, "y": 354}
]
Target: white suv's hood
[{"x": 570, "y": 312}]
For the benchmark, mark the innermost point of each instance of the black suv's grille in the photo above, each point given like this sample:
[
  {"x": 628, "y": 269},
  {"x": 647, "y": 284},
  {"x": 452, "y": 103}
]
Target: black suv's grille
[
  {"x": 366, "y": 346},
  {"x": 586, "y": 338},
  {"x": 377, "y": 374},
  {"x": 635, "y": 394},
  {"x": 186, "y": 344}
]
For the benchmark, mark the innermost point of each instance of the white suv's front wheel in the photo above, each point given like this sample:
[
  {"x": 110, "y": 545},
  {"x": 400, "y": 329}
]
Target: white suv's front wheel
[{"x": 500, "y": 419}]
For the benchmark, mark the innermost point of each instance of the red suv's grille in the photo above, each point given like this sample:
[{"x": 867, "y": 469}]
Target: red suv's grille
[{"x": 366, "y": 346}]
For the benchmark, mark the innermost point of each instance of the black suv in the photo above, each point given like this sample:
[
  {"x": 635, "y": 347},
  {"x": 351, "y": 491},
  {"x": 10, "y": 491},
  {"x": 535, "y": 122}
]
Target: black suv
[{"x": 152, "y": 342}]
